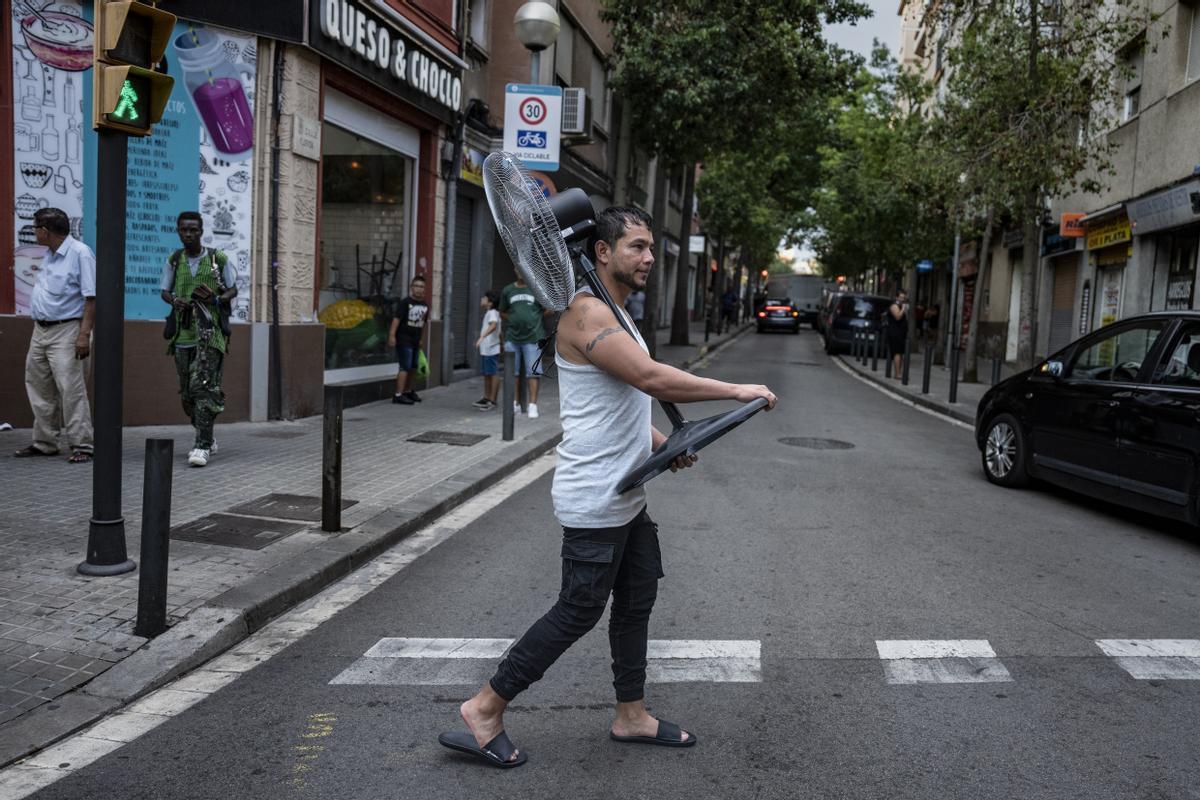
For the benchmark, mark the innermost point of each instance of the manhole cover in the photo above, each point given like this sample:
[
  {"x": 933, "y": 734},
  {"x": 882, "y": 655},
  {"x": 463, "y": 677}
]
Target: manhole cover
[
  {"x": 816, "y": 444},
  {"x": 286, "y": 506},
  {"x": 279, "y": 434},
  {"x": 449, "y": 437},
  {"x": 230, "y": 531}
]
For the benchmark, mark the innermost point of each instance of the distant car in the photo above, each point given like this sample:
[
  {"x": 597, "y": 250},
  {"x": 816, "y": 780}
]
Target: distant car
[
  {"x": 851, "y": 313},
  {"x": 1114, "y": 415},
  {"x": 778, "y": 314},
  {"x": 828, "y": 302}
]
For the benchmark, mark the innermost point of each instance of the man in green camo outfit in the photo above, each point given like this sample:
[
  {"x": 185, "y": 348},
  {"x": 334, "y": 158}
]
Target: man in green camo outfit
[{"x": 198, "y": 279}]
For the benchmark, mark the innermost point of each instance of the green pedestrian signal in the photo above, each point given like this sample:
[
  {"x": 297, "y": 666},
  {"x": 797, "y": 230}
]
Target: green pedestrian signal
[{"x": 126, "y": 110}]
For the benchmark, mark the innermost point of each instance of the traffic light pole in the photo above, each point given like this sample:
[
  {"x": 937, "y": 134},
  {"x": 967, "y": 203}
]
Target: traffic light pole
[{"x": 106, "y": 553}]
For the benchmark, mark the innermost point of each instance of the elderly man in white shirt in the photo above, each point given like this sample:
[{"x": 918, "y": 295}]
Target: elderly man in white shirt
[{"x": 63, "y": 307}]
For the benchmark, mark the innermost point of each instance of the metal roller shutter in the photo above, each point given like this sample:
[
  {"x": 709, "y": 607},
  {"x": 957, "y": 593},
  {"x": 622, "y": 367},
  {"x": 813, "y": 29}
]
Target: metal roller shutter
[{"x": 1062, "y": 304}]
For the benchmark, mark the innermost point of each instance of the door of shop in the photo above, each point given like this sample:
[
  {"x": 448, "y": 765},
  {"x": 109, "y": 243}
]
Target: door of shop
[
  {"x": 1062, "y": 304},
  {"x": 460, "y": 322}
]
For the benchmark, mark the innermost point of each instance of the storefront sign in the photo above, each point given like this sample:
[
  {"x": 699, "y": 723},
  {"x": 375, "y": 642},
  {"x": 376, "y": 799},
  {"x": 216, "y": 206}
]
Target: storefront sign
[
  {"x": 1169, "y": 209},
  {"x": 306, "y": 137},
  {"x": 365, "y": 43},
  {"x": 533, "y": 124},
  {"x": 925, "y": 266},
  {"x": 471, "y": 168},
  {"x": 1055, "y": 243},
  {"x": 199, "y": 158},
  {"x": 1070, "y": 225},
  {"x": 1109, "y": 233},
  {"x": 696, "y": 243}
]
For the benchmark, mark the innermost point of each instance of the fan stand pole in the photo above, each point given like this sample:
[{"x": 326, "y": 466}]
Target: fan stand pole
[{"x": 601, "y": 291}]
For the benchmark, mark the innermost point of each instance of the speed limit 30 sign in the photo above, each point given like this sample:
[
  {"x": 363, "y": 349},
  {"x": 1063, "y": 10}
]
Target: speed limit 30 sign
[{"x": 532, "y": 124}]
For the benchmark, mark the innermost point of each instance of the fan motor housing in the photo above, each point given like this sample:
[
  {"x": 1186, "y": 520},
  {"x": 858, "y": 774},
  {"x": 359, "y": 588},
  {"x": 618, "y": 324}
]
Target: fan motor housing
[{"x": 574, "y": 214}]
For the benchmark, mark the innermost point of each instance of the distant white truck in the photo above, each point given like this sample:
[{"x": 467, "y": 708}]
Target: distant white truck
[{"x": 803, "y": 292}]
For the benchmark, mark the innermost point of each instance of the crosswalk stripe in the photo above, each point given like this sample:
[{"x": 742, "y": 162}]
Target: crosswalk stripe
[
  {"x": 913, "y": 661},
  {"x": 392, "y": 647},
  {"x": 1155, "y": 659},
  {"x": 403, "y": 661}
]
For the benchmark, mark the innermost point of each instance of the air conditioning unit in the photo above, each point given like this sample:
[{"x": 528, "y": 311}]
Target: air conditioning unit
[{"x": 576, "y": 113}]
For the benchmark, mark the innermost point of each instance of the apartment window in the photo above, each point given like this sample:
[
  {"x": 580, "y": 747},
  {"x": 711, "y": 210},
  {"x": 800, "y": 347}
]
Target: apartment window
[
  {"x": 599, "y": 92},
  {"x": 564, "y": 52},
  {"x": 477, "y": 22},
  {"x": 1193, "y": 61},
  {"x": 1134, "y": 62}
]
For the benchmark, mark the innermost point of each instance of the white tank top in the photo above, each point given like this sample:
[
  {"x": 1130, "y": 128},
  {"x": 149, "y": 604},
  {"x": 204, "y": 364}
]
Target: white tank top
[{"x": 606, "y": 433}]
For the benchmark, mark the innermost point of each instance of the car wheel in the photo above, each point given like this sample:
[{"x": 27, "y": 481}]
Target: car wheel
[{"x": 1004, "y": 452}]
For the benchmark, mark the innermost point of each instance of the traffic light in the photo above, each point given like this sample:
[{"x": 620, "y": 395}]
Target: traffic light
[{"x": 130, "y": 39}]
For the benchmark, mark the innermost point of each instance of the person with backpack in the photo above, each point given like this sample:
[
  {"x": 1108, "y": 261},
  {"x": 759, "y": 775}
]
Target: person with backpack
[{"x": 199, "y": 284}]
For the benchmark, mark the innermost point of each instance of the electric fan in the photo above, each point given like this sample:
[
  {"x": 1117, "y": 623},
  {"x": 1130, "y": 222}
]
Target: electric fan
[{"x": 545, "y": 238}]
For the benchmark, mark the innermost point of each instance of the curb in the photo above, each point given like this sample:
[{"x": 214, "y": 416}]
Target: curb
[
  {"x": 238, "y": 612},
  {"x": 916, "y": 398},
  {"x": 708, "y": 349}
]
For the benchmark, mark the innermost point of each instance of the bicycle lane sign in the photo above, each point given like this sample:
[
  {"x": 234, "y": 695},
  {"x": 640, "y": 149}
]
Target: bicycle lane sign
[{"x": 532, "y": 124}]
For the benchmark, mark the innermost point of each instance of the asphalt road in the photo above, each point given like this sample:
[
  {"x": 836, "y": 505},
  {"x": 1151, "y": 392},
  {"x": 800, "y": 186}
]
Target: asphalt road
[{"x": 816, "y": 554}]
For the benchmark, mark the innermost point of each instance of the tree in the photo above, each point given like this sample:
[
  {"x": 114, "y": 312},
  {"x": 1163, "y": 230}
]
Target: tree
[
  {"x": 1032, "y": 92},
  {"x": 706, "y": 77}
]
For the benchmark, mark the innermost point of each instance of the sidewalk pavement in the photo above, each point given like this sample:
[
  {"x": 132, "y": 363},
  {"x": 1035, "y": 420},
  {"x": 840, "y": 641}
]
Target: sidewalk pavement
[
  {"x": 938, "y": 398},
  {"x": 68, "y": 654}
]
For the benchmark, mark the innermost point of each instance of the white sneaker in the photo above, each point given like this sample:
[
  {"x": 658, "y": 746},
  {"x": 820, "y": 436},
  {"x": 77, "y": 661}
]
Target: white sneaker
[
  {"x": 516, "y": 407},
  {"x": 533, "y": 413},
  {"x": 198, "y": 458},
  {"x": 213, "y": 449}
]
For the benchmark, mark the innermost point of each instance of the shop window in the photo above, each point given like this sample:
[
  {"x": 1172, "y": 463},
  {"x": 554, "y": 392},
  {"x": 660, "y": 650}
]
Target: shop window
[
  {"x": 365, "y": 202},
  {"x": 1181, "y": 272}
]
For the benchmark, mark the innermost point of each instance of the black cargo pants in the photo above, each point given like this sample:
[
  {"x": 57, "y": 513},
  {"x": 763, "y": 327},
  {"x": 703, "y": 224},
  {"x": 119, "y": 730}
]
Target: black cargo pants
[{"x": 625, "y": 562}]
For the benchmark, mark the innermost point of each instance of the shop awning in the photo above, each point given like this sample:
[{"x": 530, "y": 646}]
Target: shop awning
[{"x": 1102, "y": 215}]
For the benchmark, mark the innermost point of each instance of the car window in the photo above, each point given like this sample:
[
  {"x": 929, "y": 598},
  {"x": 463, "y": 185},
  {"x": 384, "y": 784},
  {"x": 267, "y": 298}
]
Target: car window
[
  {"x": 862, "y": 307},
  {"x": 1181, "y": 367},
  {"x": 1117, "y": 356}
]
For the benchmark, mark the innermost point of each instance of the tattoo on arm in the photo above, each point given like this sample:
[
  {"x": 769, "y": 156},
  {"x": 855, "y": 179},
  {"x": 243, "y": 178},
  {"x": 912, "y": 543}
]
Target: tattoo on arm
[{"x": 601, "y": 336}]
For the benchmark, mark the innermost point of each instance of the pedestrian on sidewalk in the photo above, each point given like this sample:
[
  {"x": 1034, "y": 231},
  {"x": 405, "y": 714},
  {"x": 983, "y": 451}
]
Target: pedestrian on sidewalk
[
  {"x": 404, "y": 334},
  {"x": 489, "y": 351},
  {"x": 610, "y": 544},
  {"x": 636, "y": 306},
  {"x": 931, "y": 323},
  {"x": 199, "y": 284},
  {"x": 63, "y": 307},
  {"x": 728, "y": 307},
  {"x": 523, "y": 329},
  {"x": 897, "y": 330}
]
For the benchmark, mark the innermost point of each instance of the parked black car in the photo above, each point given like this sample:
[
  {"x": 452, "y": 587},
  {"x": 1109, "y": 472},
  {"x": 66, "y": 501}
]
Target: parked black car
[
  {"x": 851, "y": 313},
  {"x": 778, "y": 314},
  {"x": 1115, "y": 415}
]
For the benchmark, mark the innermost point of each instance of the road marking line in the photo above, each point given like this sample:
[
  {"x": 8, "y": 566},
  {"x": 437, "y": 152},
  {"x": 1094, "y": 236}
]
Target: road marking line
[
  {"x": 704, "y": 648},
  {"x": 934, "y": 648},
  {"x": 945, "y": 670},
  {"x": 1169, "y": 648},
  {"x": 703, "y": 670},
  {"x": 42, "y": 769},
  {"x": 900, "y": 398},
  {"x": 438, "y": 648},
  {"x": 1155, "y": 659}
]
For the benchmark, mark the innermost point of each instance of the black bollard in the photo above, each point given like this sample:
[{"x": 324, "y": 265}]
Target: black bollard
[
  {"x": 156, "y": 530},
  {"x": 506, "y": 398},
  {"x": 907, "y": 359},
  {"x": 887, "y": 355},
  {"x": 331, "y": 462},
  {"x": 954, "y": 374},
  {"x": 522, "y": 383},
  {"x": 875, "y": 352},
  {"x": 863, "y": 354},
  {"x": 995, "y": 371},
  {"x": 928, "y": 367}
]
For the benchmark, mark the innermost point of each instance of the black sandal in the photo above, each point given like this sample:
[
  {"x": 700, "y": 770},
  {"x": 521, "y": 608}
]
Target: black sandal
[
  {"x": 31, "y": 451},
  {"x": 79, "y": 457},
  {"x": 669, "y": 735},
  {"x": 497, "y": 752}
]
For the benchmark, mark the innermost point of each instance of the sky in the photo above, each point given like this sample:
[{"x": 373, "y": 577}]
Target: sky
[{"x": 883, "y": 25}]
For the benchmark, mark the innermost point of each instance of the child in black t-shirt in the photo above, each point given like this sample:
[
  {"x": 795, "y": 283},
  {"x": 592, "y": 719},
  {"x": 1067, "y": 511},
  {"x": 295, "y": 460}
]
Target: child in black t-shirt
[{"x": 404, "y": 334}]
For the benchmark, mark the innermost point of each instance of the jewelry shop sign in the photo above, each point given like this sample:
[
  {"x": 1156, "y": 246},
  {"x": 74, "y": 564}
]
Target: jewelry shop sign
[
  {"x": 1109, "y": 233},
  {"x": 362, "y": 41}
]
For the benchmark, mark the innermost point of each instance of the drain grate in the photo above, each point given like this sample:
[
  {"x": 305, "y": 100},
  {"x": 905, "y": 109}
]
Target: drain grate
[
  {"x": 227, "y": 530},
  {"x": 279, "y": 434},
  {"x": 816, "y": 444},
  {"x": 449, "y": 437},
  {"x": 286, "y": 506}
]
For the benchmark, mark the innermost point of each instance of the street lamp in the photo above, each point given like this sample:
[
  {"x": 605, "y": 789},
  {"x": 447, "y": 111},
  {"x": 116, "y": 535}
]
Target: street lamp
[{"x": 537, "y": 28}]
